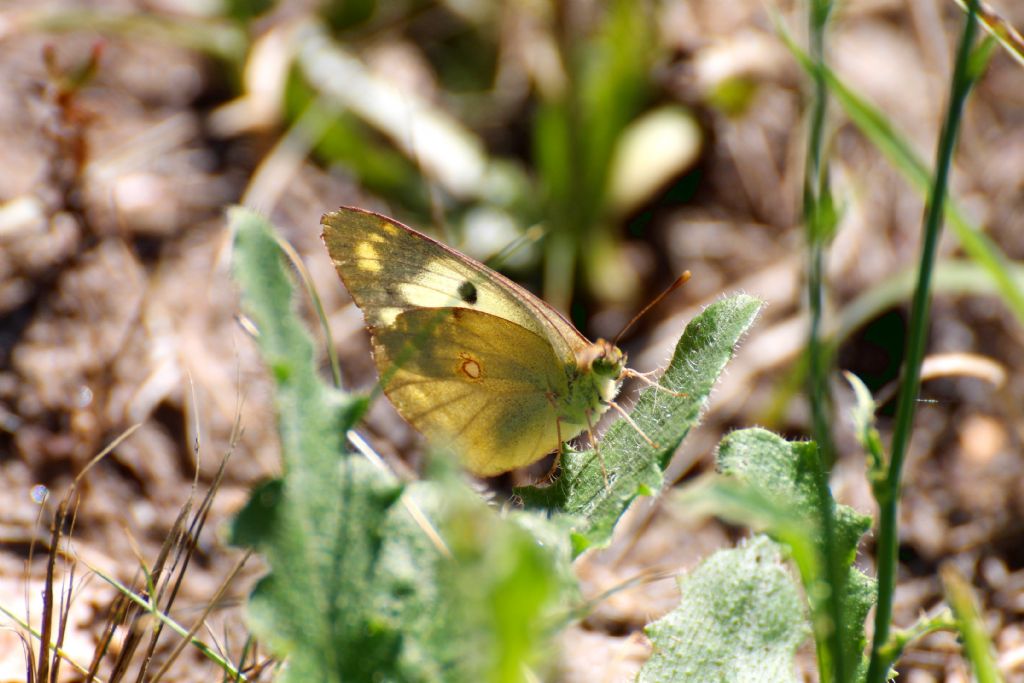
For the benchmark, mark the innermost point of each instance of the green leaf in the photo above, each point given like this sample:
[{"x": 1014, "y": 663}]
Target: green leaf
[
  {"x": 315, "y": 608},
  {"x": 360, "y": 588},
  {"x": 865, "y": 430},
  {"x": 977, "y": 645},
  {"x": 740, "y": 618},
  {"x": 312, "y": 417},
  {"x": 634, "y": 467},
  {"x": 783, "y": 472}
]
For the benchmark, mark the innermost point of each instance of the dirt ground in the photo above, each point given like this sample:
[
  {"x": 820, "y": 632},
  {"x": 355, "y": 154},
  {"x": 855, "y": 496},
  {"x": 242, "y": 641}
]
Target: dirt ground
[{"x": 118, "y": 310}]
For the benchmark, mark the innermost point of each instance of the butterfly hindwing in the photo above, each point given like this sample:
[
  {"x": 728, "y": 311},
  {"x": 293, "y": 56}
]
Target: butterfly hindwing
[{"x": 482, "y": 385}]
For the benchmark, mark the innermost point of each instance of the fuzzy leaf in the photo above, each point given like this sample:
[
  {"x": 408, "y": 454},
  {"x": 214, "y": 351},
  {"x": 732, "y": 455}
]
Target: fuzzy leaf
[
  {"x": 634, "y": 468},
  {"x": 740, "y": 619},
  {"x": 783, "y": 472}
]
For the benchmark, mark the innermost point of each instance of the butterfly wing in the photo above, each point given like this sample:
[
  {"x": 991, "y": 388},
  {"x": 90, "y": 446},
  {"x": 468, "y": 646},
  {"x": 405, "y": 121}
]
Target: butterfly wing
[
  {"x": 389, "y": 268},
  {"x": 479, "y": 384}
]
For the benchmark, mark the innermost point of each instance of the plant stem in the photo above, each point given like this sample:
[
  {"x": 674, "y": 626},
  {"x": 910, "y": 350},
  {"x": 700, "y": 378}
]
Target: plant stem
[
  {"x": 819, "y": 223},
  {"x": 889, "y": 493}
]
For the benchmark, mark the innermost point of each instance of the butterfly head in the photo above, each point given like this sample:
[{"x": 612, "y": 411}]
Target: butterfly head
[{"x": 603, "y": 358}]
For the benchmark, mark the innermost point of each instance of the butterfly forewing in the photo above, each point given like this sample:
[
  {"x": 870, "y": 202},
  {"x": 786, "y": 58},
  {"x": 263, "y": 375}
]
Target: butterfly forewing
[{"x": 390, "y": 268}]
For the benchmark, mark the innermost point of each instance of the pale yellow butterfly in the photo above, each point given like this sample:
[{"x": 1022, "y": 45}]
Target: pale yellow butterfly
[{"x": 474, "y": 361}]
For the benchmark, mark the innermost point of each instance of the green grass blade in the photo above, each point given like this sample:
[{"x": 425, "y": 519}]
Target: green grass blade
[
  {"x": 880, "y": 131},
  {"x": 145, "y": 603}
]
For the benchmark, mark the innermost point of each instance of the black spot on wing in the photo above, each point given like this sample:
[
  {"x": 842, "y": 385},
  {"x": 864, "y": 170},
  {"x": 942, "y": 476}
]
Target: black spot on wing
[{"x": 467, "y": 292}]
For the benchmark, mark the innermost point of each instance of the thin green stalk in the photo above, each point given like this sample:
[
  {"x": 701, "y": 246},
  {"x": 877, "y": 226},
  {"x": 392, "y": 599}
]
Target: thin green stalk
[
  {"x": 889, "y": 492},
  {"x": 819, "y": 222}
]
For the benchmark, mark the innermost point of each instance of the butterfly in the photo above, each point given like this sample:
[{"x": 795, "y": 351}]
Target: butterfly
[{"x": 469, "y": 358}]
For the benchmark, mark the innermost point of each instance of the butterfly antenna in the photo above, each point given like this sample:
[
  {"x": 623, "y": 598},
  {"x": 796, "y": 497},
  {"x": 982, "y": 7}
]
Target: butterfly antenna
[{"x": 680, "y": 281}]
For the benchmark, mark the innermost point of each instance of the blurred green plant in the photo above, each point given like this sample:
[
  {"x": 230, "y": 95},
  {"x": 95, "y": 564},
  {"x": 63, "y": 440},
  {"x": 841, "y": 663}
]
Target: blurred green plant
[
  {"x": 347, "y": 141},
  {"x": 605, "y": 84},
  {"x": 431, "y": 164},
  {"x": 245, "y": 10}
]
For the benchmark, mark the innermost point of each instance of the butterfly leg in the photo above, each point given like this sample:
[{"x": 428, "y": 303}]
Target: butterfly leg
[
  {"x": 597, "y": 447},
  {"x": 645, "y": 378},
  {"x": 633, "y": 424},
  {"x": 550, "y": 476}
]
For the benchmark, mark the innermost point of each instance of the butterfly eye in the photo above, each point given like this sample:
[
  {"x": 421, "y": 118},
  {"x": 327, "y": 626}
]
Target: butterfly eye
[{"x": 604, "y": 366}]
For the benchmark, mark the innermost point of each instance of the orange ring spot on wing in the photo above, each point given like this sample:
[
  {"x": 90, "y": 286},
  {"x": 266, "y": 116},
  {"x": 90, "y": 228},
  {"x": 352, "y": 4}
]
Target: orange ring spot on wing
[{"x": 470, "y": 367}]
